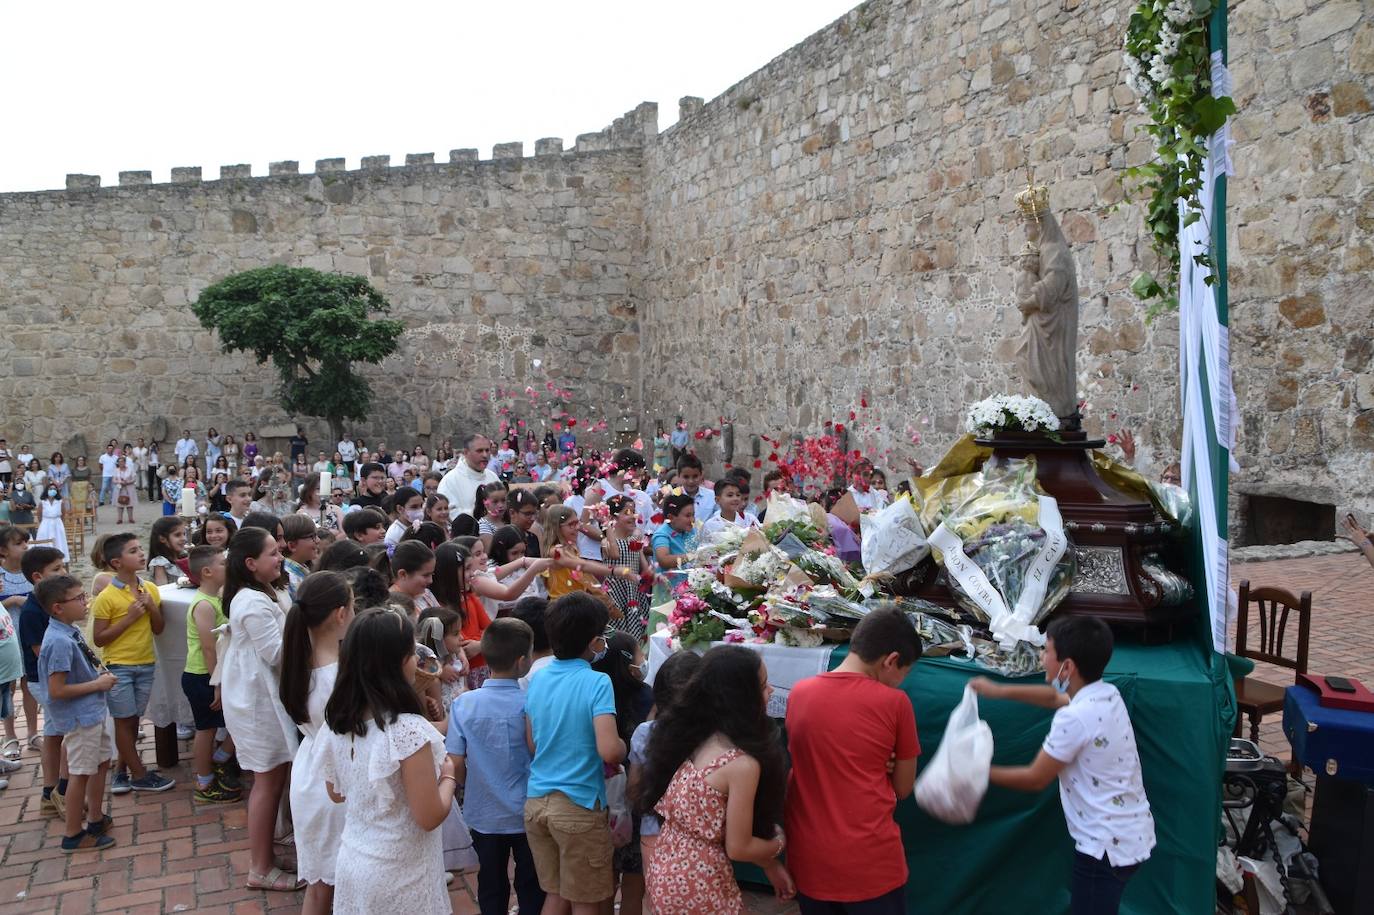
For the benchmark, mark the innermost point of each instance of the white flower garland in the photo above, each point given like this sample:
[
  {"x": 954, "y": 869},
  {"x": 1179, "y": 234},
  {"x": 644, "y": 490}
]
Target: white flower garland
[{"x": 1011, "y": 413}]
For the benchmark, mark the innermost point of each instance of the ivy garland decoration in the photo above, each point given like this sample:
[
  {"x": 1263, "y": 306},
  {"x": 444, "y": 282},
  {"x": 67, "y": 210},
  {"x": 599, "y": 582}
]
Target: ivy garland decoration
[{"x": 1168, "y": 64}]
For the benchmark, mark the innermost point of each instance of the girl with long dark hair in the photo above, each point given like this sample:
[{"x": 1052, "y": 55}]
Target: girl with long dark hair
[
  {"x": 624, "y": 664},
  {"x": 386, "y": 764},
  {"x": 315, "y": 625},
  {"x": 264, "y": 734},
  {"x": 715, "y": 775}
]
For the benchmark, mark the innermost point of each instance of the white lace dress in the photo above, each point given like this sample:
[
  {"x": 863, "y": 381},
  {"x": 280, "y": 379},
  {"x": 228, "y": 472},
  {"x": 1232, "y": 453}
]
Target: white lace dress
[
  {"x": 50, "y": 526},
  {"x": 319, "y": 822},
  {"x": 386, "y": 862}
]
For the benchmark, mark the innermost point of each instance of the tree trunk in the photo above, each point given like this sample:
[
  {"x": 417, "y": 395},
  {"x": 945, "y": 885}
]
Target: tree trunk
[{"x": 335, "y": 429}]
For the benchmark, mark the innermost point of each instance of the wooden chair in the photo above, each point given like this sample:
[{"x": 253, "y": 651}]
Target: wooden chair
[
  {"x": 1274, "y": 607},
  {"x": 76, "y": 529},
  {"x": 83, "y": 500}
]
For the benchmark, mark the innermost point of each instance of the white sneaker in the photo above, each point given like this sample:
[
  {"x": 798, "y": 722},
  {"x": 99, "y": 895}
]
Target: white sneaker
[
  {"x": 185, "y": 733},
  {"x": 10, "y": 765}
]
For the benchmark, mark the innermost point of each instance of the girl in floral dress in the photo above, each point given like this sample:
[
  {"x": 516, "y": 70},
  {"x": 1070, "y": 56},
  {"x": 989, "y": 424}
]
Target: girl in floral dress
[{"x": 703, "y": 751}]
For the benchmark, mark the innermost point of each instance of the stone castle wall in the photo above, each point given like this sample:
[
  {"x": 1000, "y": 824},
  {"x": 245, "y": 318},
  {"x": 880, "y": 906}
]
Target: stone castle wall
[
  {"x": 839, "y": 227},
  {"x": 505, "y": 272}
]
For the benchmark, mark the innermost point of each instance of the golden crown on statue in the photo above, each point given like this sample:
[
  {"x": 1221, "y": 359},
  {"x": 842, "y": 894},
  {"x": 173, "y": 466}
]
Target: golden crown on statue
[{"x": 1034, "y": 199}]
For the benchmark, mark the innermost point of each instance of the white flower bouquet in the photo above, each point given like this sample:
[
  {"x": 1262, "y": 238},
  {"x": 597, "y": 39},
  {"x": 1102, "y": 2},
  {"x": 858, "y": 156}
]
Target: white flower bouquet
[{"x": 1011, "y": 413}]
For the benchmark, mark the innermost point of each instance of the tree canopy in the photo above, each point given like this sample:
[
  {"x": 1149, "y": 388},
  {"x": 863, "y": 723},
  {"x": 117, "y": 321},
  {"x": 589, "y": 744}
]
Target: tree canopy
[{"x": 313, "y": 326}]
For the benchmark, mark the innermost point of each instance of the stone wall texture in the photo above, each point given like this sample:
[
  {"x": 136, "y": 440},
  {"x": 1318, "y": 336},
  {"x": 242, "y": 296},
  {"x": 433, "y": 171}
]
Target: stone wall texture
[
  {"x": 492, "y": 265},
  {"x": 837, "y": 228}
]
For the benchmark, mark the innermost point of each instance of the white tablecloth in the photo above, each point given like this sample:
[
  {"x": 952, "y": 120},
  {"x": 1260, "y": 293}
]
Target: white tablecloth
[
  {"x": 167, "y": 705},
  {"x": 786, "y": 666}
]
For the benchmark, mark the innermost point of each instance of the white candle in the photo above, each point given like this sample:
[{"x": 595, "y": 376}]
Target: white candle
[
  {"x": 188, "y": 502},
  {"x": 326, "y": 485}
]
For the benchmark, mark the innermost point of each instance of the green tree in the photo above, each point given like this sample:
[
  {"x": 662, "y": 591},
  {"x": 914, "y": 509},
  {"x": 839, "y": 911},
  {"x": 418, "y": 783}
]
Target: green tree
[{"x": 313, "y": 326}]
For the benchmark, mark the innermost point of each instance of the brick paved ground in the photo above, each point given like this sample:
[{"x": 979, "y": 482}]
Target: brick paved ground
[{"x": 175, "y": 856}]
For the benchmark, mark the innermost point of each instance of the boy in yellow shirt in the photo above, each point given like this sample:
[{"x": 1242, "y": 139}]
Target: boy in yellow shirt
[{"x": 125, "y": 617}]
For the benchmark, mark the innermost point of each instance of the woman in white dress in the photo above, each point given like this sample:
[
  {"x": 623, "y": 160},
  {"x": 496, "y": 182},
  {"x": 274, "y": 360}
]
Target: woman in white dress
[
  {"x": 315, "y": 625},
  {"x": 386, "y": 764},
  {"x": 263, "y": 733},
  {"x": 50, "y": 526}
]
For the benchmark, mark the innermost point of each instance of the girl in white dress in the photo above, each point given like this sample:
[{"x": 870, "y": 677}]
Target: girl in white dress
[
  {"x": 387, "y": 765},
  {"x": 50, "y": 526},
  {"x": 263, "y": 733},
  {"x": 315, "y": 625}
]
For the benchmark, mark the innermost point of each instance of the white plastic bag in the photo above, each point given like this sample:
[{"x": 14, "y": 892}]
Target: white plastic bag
[
  {"x": 893, "y": 539},
  {"x": 619, "y": 818},
  {"x": 952, "y": 785}
]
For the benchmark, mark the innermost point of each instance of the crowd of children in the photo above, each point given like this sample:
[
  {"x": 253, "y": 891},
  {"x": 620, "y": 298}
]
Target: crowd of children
[{"x": 420, "y": 684}]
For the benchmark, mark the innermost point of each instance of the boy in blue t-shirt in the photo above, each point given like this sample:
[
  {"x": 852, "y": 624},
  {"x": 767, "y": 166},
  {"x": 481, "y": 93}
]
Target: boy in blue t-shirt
[
  {"x": 39, "y": 563},
  {"x": 571, "y": 730},
  {"x": 486, "y": 738},
  {"x": 77, "y": 685}
]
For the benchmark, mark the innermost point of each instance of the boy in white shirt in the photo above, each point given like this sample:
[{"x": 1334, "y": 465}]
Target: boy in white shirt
[
  {"x": 1091, "y": 748},
  {"x": 730, "y": 502}
]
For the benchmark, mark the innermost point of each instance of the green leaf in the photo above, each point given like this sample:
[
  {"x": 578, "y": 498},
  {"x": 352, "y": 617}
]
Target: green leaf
[
  {"x": 1145, "y": 287},
  {"x": 1212, "y": 113}
]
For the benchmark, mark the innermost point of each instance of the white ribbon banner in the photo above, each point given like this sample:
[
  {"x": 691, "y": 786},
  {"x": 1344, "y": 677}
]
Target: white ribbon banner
[{"x": 1008, "y": 626}]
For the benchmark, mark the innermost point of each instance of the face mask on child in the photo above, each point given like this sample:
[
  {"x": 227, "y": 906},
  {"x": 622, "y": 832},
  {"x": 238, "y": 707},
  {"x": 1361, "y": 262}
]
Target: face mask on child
[
  {"x": 52, "y": 494},
  {"x": 415, "y": 514},
  {"x": 1061, "y": 682}
]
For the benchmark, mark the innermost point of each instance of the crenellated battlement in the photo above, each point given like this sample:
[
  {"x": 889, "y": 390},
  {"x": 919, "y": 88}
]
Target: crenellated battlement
[{"x": 633, "y": 130}]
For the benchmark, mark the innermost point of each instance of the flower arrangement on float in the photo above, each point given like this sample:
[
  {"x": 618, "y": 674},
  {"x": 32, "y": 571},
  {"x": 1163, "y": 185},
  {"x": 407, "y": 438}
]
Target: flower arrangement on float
[{"x": 1010, "y": 413}]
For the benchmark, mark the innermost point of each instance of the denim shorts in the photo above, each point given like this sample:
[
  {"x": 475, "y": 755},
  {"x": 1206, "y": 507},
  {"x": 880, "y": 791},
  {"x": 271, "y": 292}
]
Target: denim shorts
[
  {"x": 133, "y": 685},
  {"x": 39, "y": 690}
]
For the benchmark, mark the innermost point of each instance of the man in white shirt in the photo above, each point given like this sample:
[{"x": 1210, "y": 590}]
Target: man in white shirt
[
  {"x": 108, "y": 460},
  {"x": 348, "y": 451},
  {"x": 460, "y": 484},
  {"x": 186, "y": 446}
]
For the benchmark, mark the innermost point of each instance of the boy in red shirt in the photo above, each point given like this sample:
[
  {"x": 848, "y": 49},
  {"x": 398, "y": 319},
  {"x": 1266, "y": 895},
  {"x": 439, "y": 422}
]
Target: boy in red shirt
[{"x": 852, "y": 737}]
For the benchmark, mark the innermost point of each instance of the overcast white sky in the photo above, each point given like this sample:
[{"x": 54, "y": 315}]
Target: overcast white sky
[{"x": 96, "y": 89}]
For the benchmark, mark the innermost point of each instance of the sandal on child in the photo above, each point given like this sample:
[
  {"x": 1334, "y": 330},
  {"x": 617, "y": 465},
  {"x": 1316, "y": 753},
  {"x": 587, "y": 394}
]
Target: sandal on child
[
  {"x": 276, "y": 880},
  {"x": 11, "y": 749}
]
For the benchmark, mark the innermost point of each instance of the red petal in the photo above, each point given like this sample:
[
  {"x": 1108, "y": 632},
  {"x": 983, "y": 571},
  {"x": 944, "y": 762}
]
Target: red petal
[
  {"x": 773, "y": 457},
  {"x": 758, "y": 464},
  {"x": 572, "y": 421},
  {"x": 863, "y": 402},
  {"x": 851, "y": 416},
  {"x": 656, "y": 517}
]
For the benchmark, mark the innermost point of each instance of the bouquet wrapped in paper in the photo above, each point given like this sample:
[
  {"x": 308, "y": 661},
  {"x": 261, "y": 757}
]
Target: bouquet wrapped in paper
[
  {"x": 1005, "y": 552},
  {"x": 893, "y": 538},
  {"x": 825, "y": 569}
]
